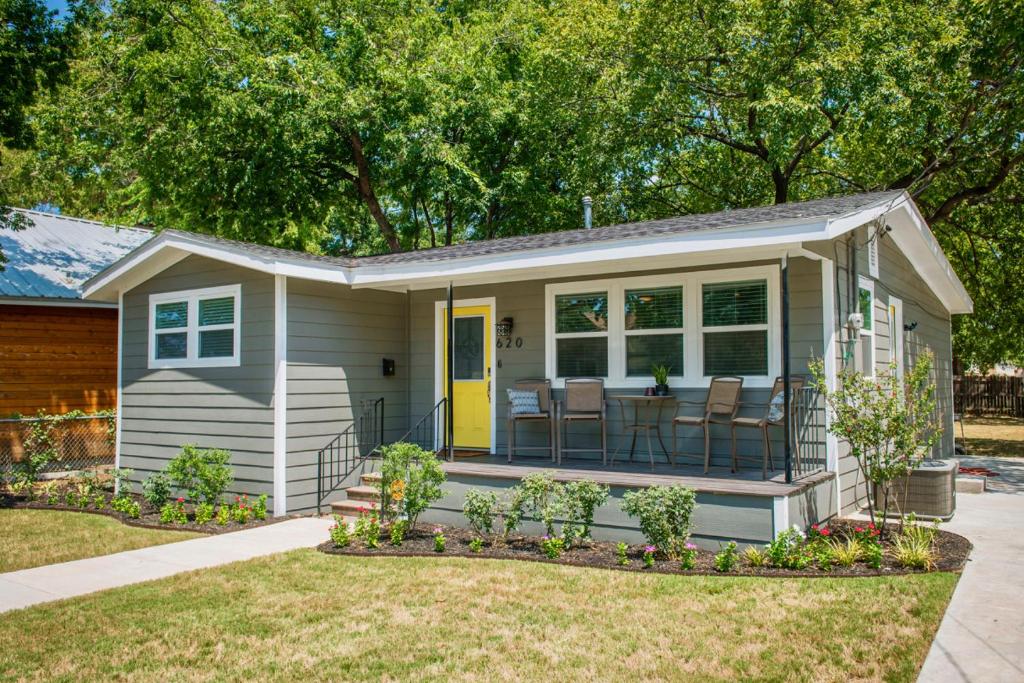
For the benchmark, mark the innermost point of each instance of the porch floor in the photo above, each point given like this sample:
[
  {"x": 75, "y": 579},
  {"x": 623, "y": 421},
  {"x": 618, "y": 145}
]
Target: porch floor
[{"x": 747, "y": 481}]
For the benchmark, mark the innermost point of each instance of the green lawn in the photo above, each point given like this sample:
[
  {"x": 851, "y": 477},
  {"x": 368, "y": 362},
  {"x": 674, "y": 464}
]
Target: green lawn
[
  {"x": 32, "y": 538},
  {"x": 307, "y": 616}
]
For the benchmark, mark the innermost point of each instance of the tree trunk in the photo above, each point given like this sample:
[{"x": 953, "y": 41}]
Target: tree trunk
[
  {"x": 369, "y": 197},
  {"x": 448, "y": 217},
  {"x": 781, "y": 182}
]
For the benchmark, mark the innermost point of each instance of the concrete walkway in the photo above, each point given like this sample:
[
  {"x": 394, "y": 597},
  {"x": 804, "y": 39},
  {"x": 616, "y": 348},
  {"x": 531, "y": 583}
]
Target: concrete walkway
[
  {"x": 69, "y": 579},
  {"x": 981, "y": 637}
]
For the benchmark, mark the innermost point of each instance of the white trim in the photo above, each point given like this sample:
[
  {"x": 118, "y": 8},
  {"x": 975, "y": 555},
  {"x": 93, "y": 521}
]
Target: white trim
[
  {"x": 280, "y": 395},
  {"x": 897, "y": 342},
  {"x": 692, "y": 283},
  {"x": 63, "y": 303},
  {"x": 828, "y": 306},
  {"x": 439, "y": 308},
  {"x": 873, "y": 251},
  {"x": 867, "y": 336},
  {"x": 192, "y": 329},
  {"x": 780, "y": 515},
  {"x": 120, "y": 385}
]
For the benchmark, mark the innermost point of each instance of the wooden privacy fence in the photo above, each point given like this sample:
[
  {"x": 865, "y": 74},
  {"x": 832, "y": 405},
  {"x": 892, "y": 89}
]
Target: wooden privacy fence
[{"x": 984, "y": 395}]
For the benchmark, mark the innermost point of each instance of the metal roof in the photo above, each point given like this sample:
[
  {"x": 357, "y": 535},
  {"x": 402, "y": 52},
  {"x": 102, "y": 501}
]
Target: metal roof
[{"x": 54, "y": 255}]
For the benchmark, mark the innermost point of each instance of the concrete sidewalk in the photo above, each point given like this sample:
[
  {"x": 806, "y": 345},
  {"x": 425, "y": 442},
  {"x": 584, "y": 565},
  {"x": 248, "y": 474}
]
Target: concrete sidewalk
[
  {"x": 981, "y": 637},
  {"x": 69, "y": 579}
]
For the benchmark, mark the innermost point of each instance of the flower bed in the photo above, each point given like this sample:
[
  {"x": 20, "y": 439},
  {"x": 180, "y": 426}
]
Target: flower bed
[
  {"x": 103, "y": 502},
  {"x": 950, "y": 551}
]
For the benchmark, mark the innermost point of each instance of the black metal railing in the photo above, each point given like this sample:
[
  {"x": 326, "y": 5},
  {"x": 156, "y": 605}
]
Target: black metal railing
[
  {"x": 336, "y": 461},
  {"x": 429, "y": 432},
  {"x": 809, "y": 447}
]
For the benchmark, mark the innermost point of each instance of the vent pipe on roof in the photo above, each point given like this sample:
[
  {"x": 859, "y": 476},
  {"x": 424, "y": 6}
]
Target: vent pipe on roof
[{"x": 587, "y": 215}]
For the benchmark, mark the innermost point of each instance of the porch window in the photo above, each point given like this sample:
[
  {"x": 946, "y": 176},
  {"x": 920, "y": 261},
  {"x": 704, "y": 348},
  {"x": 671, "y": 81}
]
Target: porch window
[
  {"x": 581, "y": 334},
  {"x": 195, "y": 328},
  {"x": 734, "y": 321},
  {"x": 866, "y": 306},
  {"x": 654, "y": 323}
]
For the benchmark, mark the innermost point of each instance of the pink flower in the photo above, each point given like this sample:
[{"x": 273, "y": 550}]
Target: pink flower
[
  {"x": 649, "y": 549},
  {"x": 691, "y": 546},
  {"x": 181, "y": 500},
  {"x": 826, "y": 532}
]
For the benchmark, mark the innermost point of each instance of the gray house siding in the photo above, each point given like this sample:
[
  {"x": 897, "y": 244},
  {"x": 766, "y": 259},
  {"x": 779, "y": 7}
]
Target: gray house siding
[
  {"x": 896, "y": 278},
  {"x": 337, "y": 338},
  {"x": 524, "y": 302},
  {"x": 225, "y": 407}
]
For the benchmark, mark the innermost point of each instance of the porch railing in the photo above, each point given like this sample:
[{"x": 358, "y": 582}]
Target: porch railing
[
  {"x": 809, "y": 448},
  {"x": 429, "y": 432},
  {"x": 336, "y": 461}
]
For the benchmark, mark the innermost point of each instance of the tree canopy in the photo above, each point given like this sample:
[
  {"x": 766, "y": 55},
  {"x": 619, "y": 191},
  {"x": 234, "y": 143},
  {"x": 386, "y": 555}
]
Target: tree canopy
[{"x": 360, "y": 126}]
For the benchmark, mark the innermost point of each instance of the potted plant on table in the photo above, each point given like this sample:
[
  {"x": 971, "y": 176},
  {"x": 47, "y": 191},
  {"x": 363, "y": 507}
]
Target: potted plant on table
[{"x": 660, "y": 373}]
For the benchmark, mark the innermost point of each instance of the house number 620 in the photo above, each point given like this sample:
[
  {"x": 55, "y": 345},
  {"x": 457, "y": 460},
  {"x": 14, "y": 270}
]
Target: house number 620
[{"x": 509, "y": 342}]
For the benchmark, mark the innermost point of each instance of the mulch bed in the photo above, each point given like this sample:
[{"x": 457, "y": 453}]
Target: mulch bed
[
  {"x": 951, "y": 549},
  {"x": 149, "y": 519}
]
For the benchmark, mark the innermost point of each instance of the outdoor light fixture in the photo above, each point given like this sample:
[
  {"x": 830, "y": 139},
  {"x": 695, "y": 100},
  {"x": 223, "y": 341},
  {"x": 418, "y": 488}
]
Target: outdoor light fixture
[
  {"x": 911, "y": 326},
  {"x": 504, "y": 327}
]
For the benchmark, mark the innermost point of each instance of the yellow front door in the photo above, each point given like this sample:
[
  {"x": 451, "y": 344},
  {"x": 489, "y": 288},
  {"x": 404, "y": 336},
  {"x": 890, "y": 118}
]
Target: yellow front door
[{"x": 471, "y": 402}]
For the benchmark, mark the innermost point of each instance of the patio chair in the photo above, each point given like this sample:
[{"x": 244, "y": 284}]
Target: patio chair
[
  {"x": 720, "y": 408},
  {"x": 773, "y": 417},
  {"x": 545, "y": 413},
  {"x": 583, "y": 402}
]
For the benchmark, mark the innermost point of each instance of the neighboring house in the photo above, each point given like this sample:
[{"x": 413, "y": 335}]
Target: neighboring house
[
  {"x": 270, "y": 353},
  {"x": 57, "y": 352}
]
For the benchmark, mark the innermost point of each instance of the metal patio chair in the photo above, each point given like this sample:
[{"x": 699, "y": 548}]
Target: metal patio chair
[
  {"x": 546, "y": 414},
  {"x": 720, "y": 408},
  {"x": 765, "y": 421},
  {"x": 583, "y": 402}
]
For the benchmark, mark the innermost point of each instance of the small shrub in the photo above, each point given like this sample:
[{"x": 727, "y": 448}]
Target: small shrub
[
  {"x": 50, "y": 493},
  {"x": 121, "y": 482},
  {"x": 202, "y": 473},
  {"x": 755, "y": 557},
  {"x": 397, "y": 531},
  {"x": 788, "y": 550},
  {"x": 241, "y": 512},
  {"x": 579, "y": 499},
  {"x": 204, "y": 513},
  {"x": 340, "y": 536},
  {"x": 174, "y": 513},
  {"x": 156, "y": 490},
  {"x": 663, "y": 513},
  {"x": 99, "y": 501},
  {"x": 845, "y": 553},
  {"x": 912, "y": 546},
  {"x": 368, "y": 529},
  {"x": 126, "y": 506},
  {"x": 541, "y": 496},
  {"x": 621, "y": 553},
  {"x": 476, "y": 545},
  {"x": 439, "y": 540},
  {"x": 552, "y": 546},
  {"x": 259, "y": 508},
  {"x": 480, "y": 510},
  {"x": 872, "y": 553},
  {"x": 223, "y": 514},
  {"x": 688, "y": 558},
  {"x": 422, "y": 477},
  {"x": 649, "y": 555},
  {"x": 726, "y": 559}
]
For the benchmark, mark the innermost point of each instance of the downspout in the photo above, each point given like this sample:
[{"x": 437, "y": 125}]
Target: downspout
[
  {"x": 450, "y": 378},
  {"x": 786, "y": 388}
]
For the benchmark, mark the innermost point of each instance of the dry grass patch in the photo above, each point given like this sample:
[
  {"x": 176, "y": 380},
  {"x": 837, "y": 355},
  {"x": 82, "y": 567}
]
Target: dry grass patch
[
  {"x": 305, "y": 615},
  {"x": 994, "y": 436},
  {"x": 33, "y": 538}
]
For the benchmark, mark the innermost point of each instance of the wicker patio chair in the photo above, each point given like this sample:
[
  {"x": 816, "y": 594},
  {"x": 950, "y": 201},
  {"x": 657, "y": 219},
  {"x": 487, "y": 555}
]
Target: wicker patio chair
[
  {"x": 764, "y": 422},
  {"x": 720, "y": 408},
  {"x": 583, "y": 402},
  {"x": 546, "y": 414}
]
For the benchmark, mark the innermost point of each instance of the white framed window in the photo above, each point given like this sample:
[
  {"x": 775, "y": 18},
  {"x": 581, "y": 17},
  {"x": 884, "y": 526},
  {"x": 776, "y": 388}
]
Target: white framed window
[
  {"x": 866, "y": 307},
  {"x": 195, "y": 328},
  {"x": 698, "y": 324}
]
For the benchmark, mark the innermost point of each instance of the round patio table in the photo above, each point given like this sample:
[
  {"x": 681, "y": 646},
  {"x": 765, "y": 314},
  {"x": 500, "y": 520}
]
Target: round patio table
[{"x": 644, "y": 407}]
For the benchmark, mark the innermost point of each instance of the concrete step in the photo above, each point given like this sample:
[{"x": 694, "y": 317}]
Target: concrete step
[
  {"x": 970, "y": 484},
  {"x": 351, "y": 508},
  {"x": 370, "y": 478},
  {"x": 371, "y": 493}
]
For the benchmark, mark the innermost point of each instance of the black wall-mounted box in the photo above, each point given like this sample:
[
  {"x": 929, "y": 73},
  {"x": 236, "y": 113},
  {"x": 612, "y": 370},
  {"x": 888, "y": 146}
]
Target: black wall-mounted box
[{"x": 389, "y": 367}]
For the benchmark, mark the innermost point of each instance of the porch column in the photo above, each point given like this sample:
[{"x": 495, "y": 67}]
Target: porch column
[
  {"x": 786, "y": 389},
  {"x": 449, "y": 422}
]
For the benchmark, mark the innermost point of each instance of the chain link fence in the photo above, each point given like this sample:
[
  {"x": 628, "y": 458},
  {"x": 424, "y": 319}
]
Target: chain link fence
[{"x": 60, "y": 443}]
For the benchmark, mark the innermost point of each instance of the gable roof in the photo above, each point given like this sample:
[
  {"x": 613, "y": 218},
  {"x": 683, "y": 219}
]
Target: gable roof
[
  {"x": 762, "y": 232},
  {"x": 55, "y": 255}
]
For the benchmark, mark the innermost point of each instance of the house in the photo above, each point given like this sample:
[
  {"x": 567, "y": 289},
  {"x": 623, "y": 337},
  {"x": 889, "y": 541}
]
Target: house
[
  {"x": 302, "y": 364},
  {"x": 58, "y": 352}
]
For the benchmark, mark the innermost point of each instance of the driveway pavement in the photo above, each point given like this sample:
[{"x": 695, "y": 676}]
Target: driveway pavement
[
  {"x": 69, "y": 579},
  {"x": 981, "y": 637}
]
